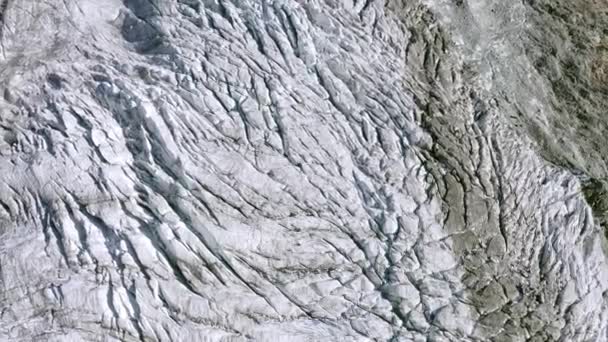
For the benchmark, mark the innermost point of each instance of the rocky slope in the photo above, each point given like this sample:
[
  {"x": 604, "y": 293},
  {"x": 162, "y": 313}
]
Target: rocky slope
[{"x": 303, "y": 170}]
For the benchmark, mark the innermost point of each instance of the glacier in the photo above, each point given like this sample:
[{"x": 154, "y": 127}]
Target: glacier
[{"x": 303, "y": 170}]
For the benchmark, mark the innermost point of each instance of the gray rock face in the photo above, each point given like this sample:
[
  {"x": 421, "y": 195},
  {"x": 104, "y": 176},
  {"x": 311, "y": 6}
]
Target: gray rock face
[{"x": 290, "y": 170}]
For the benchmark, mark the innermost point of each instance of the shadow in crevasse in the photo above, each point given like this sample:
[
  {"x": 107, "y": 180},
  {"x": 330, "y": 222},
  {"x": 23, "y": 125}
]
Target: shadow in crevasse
[{"x": 142, "y": 28}]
